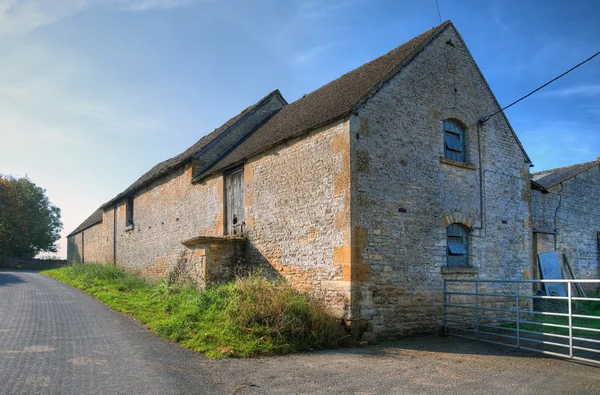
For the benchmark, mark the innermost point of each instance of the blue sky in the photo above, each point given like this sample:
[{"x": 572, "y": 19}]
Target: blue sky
[{"x": 95, "y": 92}]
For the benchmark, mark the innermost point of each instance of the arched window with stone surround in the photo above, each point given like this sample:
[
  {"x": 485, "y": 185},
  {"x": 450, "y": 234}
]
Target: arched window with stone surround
[
  {"x": 457, "y": 245},
  {"x": 454, "y": 141}
]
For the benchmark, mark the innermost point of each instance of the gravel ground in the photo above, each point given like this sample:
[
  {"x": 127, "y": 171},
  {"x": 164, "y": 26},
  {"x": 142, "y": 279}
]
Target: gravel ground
[{"x": 55, "y": 339}]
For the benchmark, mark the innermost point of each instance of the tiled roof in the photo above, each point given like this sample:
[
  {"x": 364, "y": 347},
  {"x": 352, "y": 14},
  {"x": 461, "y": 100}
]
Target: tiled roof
[
  {"x": 330, "y": 102},
  {"x": 170, "y": 164},
  {"x": 553, "y": 177},
  {"x": 166, "y": 166}
]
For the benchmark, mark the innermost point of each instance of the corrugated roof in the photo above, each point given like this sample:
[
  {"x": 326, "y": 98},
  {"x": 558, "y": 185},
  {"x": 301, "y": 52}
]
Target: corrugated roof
[
  {"x": 330, "y": 102},
  {"x": 170, "y": 164},
  {"x": 93, "y": 219},
  {"x": 553, "y": 177}
]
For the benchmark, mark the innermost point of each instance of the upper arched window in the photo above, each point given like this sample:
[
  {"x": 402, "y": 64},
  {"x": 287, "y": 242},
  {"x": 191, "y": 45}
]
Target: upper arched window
[
  {"x": 454, "y": 141},
  {"x": 457, "y": 245}
]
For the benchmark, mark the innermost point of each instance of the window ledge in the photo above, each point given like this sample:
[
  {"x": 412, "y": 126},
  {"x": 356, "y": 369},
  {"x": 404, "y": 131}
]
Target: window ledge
[
  {"x": 459, "y": 270},
  {"x": 129, "y": 228},
  {"x": 464, "y": 165}
]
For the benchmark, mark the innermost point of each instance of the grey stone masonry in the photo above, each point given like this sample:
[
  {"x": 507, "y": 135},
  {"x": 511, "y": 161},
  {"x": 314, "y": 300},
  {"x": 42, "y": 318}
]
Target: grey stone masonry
[
  {"x": 567, "y": 220},
  {"x": 405, "y": 194}
]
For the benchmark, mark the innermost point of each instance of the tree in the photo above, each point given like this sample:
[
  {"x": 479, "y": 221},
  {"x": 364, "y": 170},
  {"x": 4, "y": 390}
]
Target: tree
[{"x": 29, "y": 222}]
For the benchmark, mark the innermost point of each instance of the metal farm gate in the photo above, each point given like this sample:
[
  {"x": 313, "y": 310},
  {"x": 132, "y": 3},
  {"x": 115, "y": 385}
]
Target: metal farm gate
[{"x": 510, "y": 313}]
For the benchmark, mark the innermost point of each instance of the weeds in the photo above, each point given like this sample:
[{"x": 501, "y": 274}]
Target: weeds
[{"x": 247, "y": 317}]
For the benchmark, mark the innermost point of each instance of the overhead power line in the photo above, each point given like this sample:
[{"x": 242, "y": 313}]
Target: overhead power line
[
  {"x": 438, "y": 7},
  {"x": 486, "y": 118}
]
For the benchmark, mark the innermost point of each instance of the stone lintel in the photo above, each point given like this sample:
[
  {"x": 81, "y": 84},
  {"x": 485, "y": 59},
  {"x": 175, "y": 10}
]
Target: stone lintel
[
  {"x": 459, "y": 270},
  {"x": 464, "y": 165}
]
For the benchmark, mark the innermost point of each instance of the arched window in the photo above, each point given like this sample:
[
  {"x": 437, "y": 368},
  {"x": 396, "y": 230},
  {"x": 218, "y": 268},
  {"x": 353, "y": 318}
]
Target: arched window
[
  {"x": 457, "y": 245},
  {"x": 454, "y": 141}
]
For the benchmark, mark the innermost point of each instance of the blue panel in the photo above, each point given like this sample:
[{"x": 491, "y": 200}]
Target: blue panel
[
  {"x": 550, "y": 269},
  {"x": 457, "y": 241},
  {"x": 453, "y": 142},
  {"x": 456, "y": 248}
]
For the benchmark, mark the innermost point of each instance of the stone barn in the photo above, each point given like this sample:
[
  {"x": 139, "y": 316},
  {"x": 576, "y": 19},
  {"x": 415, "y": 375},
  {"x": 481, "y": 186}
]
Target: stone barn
[
  {"x": 365, "y": 193},
  {"x": 566, "y": 216}
]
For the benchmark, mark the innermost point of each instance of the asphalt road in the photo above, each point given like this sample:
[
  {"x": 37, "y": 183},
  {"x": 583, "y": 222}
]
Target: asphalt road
[{"x": 55, "y": 339}]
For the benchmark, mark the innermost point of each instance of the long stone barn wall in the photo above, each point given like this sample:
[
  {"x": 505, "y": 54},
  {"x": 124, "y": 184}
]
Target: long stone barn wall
[
  {"x": 297, "y": 197},
  {"x": 298, "y": 213},
  {"x": 405, "y": 194},
  {"x": 166, "y": 212}
]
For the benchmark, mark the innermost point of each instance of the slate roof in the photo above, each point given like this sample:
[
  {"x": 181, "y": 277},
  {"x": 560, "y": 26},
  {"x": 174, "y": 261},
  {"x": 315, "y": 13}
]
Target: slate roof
[
  {"x": 93, "y": 219},
  {"x": 330, "y": 102},
  {"x": 170, "y": 164},
  {"x": 553, "y": 177}
]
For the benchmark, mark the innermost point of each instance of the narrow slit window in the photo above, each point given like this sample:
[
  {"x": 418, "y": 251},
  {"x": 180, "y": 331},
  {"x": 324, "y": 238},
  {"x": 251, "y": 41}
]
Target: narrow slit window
[{"x": 129, "y": 212}]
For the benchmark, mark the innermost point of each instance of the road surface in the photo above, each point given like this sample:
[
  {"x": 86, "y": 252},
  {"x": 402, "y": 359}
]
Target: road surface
[{"x": 55, "y": 339}]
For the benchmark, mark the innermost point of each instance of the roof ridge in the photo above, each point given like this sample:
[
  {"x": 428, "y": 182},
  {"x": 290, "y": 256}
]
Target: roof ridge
[
  {"x": 431, "y": 33},
  {"x": 333, "y": 100},
  {"x": 551, "y": 178},
  {"x": 542, "y": 172},
  {"x": 163, "y": 167},
  {"x": 93, "y": 219}
]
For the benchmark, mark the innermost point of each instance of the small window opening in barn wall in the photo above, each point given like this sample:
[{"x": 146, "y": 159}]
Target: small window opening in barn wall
[
  {"x": 129, "y": 211},
  {"x": 454, "y": 141},
  {"x": 457, "y": 245}
]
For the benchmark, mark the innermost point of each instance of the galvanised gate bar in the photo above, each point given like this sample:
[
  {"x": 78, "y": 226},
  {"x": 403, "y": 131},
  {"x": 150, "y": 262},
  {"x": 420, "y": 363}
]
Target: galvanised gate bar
[{"x": 508, "y": 313}]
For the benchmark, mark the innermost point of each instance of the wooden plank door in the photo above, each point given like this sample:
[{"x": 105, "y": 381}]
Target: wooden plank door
[{"x": 234, "y": 201}]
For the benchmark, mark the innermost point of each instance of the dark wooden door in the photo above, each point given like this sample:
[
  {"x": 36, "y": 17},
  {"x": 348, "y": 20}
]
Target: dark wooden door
[{"x": 234, "y": 202}]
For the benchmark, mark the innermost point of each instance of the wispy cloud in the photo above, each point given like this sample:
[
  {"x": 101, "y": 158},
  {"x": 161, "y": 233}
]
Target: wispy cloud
[
  {"x": 145, "y": 5},
  {"x": 305, "y": 29},
  {"x": 319, "y": 9},
  {"x": 21, "y": 16},
  {"x": 579, "y": 90},
  {"x": 57, "y": 104},
  {"x": 303, "y": 57},
  {"x": 594, "y": 110},
  {"x": 307, "y": 26}
]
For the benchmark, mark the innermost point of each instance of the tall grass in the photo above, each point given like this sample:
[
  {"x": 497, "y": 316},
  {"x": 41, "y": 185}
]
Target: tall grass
[{"x": 247, "y": 317}]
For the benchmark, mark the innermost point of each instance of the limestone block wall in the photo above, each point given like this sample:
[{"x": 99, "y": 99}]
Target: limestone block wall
[
  {"x": 297, "y": 198},
  {"x": 74, "y": 244},
  {"x": 212, "y": 260},
  {"x": 404, "y": 195},
  {"x": 167, "y": 212},
  {"x": 96, "y": 244},
  {"x": 571, "y": 208}
]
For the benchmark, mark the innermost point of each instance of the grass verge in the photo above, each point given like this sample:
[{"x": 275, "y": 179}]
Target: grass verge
[{"x": 248, "y": 317}]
